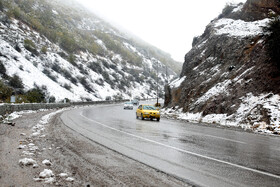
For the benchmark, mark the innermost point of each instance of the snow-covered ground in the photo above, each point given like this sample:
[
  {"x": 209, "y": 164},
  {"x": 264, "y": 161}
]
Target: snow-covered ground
[{"x": 77, "y": 82}]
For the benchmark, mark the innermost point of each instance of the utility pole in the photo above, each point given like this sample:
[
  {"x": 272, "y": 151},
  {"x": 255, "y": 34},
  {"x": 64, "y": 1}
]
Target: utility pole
[
  {"x": 157, "y": 83},
  {"x": 166, "y": 75}
]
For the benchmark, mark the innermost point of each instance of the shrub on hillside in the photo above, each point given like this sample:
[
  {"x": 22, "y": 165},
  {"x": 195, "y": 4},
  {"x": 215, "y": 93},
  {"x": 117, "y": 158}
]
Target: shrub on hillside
[
  {"x": 113, "y": 66},
  {"x": 44, "y": 50},
  {"x": 118, "y": 97},
  {"x": 67, "y": 86},
  {"x": 86, "y": 85},
  {"x": 15, "y": 12},
  {"x": 68, "y": 42},
  {"x": 95, "y": 67},
  {"x": 82, "y": 70},
  {"x": 100, "y": 82},
  {"x": 273, "y": 40},
  {"x": 72, "y": 60},
  {"x": 56, "y": 68},
  {"x": 115, "y": 76},
  {"x": 35, "y": 95},
  {"x": 52, "y": 99},
  {"x": 1, "y": 6},
  {"x": 106, "y": 64},
  {"x": 16, "y": 82},
  {"x": 2, "y": 69},
  {"x": 48, "y": 73},
  {"x": 5, "y": 91},
  {"x": 30, "y": 46}
]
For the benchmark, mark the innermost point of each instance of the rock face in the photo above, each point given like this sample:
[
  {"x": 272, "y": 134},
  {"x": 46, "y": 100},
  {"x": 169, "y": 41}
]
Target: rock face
[{"x": 227, "y": 63}]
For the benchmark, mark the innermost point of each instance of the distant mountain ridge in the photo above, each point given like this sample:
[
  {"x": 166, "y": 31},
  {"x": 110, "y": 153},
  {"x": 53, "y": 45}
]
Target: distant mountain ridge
[
  {"x": 70, "y": 53},
  {"x": 228, "y": 76}
]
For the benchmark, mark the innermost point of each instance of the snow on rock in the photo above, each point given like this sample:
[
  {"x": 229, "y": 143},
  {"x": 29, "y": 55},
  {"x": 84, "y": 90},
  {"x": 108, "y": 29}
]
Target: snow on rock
[
  {"x": 27, "y": 153},
  {"x": 47, "y": 162},
  {"x": 50, "y": 180},
  {"x": 46, "y": 173},
  {"x": 63, "y": 175},
  {"x": 215, "y": 90},
  {"x": 27, "y": 162},
  {"x": 21, "y": 146},
  {"x": 177, "y": 82},
  {"x": 69, "y": 179},
  {"x": 191, "y": 117},
  {"x": 32, "y": 147},
  {"x": 47, "y": 176},
  {"x": 251, "y": 104},
  {"x": 238, "y": 8},
  {"x": 239, "y": 28},
  {"x": 13, "y": 116},
  {"x": 249, "y": 108},
  {"x": 214, "y": 118}
]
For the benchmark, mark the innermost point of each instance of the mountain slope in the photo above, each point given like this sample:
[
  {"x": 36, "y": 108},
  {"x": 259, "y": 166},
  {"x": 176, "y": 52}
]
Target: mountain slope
[
  {"x": 68, "y": 52},
  {"x": 228, "y": 76}
]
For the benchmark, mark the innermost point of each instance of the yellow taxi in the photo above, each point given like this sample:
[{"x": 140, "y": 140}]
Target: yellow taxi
[{"x": 147, "y": 111}]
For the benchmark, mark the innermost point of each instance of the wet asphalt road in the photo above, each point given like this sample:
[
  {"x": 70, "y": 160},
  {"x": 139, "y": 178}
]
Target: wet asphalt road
[{"x": 199, "y": 154}]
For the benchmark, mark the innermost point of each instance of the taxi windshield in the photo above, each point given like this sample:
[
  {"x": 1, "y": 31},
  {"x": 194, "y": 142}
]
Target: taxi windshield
[{"x": 149, "y": 108}]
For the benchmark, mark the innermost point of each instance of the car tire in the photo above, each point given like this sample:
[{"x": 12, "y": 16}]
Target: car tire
[
  {"x": 136, "y": 116},
  {"x": 142, "y": 117},
  {"x": 158, "y": 119}
]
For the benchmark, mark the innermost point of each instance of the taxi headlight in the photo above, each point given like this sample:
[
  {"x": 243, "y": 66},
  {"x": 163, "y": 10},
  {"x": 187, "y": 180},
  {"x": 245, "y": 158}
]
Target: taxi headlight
[{"x": 146, "y": 113}]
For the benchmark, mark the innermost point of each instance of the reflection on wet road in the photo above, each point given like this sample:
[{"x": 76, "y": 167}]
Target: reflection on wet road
[{"x": 199, "y": 154}]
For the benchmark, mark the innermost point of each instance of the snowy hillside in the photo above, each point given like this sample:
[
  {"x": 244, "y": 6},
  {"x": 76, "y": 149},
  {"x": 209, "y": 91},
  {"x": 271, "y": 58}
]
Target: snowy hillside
[
  {"x": 113, "y": 66},
  {"x": 228, "y": 77}
]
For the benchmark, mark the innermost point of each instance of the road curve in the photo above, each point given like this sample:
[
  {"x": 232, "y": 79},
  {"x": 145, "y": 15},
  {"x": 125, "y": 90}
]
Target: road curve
[{"x": 199, "y": 154}]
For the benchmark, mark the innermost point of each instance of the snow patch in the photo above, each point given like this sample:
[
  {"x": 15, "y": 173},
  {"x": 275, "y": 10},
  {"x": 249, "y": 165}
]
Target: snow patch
[
  {"x": 177, "y": 82},
  {"x": 46, "y": 162},
  {"x": 27, "y": 162},
  {"x": 239, "y": 28},
  {"x": 238, "y": 9},
  {"x": 214, "y": 91},
  {"x": 46, "y": 173}
]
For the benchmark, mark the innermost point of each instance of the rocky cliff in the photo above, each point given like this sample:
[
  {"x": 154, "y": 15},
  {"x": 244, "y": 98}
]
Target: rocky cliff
[{"x": 228, "y": 76}]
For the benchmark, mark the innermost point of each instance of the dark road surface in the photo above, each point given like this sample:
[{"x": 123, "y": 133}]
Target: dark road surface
[{"x": 199, "y": 154}]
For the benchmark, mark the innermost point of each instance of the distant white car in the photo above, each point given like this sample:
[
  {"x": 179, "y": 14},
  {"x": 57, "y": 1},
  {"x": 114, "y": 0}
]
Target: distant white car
[
  {"x": 128, "y": 105},
  {"x": 135, "y": 102}
]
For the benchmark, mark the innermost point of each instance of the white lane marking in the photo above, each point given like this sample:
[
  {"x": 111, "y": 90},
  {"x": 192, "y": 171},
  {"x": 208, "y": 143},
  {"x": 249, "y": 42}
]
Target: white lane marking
[
  {"x": 184, "y": 151},
  {"x": 236, "y": 141}
]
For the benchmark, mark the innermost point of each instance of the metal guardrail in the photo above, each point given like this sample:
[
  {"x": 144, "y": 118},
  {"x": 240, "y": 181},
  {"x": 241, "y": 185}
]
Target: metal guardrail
[{"x": 9, "y": 108}]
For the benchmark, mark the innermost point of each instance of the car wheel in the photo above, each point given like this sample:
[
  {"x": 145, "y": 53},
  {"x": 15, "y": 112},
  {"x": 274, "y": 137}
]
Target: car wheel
[
  {"x": 142, "y": 117},
  {"x": 136, "y": 116},
  {"x": 158, "y": 119}
]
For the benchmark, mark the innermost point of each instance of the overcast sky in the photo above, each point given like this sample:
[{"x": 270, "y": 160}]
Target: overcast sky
[{"x": 167, "y": 24}]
